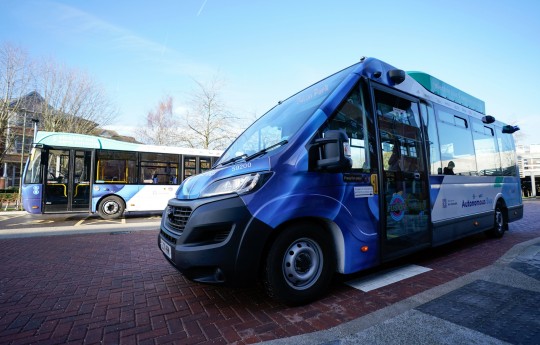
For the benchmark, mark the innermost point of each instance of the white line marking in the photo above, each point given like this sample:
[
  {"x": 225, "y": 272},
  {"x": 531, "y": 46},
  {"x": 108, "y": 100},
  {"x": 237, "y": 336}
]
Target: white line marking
[{"x": 8, "y": 217}]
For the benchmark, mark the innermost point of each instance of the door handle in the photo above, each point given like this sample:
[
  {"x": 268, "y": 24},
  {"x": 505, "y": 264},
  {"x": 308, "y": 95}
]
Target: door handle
[{"x": 374, "y": 183}]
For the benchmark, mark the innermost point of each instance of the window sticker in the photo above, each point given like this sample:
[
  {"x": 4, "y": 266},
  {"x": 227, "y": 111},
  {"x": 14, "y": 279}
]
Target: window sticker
[
  {"x": 363, "y": 191},
  {"x": 397, "y": 207}
]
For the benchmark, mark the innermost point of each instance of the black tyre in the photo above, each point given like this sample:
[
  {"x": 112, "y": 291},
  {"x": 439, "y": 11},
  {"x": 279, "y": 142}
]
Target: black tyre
[
  {"x": 500, "y": 224},
  {"x": 111, "y": 207},
  {"x": 300, "y": 265}
]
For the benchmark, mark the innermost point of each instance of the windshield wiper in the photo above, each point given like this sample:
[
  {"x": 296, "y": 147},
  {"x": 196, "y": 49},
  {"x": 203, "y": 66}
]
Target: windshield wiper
[
  {"x": 256, "y": 154},
  {"x": 265, "y": 150},
  {"x": 234, "y": 159}
]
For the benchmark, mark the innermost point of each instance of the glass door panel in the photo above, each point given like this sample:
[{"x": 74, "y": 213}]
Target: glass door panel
[
  {"x": 405, "y": 211},
  {"x": 67, "y": 182},
  {"x": 55, "y": 196},
  {"x": 80, "y": 183}
]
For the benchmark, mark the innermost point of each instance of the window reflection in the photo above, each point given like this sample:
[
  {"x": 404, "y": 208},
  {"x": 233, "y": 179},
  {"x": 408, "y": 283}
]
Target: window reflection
[
  {"x": 456, "y": 143},
  {"x": 474, "y": 148},
  {"x": 487, "y": 154},
  {"x": 508, "y": 153},
  {"x": 353, "y": 118}
]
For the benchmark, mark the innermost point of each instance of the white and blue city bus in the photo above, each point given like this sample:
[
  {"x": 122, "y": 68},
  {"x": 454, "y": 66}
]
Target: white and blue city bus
[
  {"x": 367, "y": 165},
  {"x": 70, "y": 172}
]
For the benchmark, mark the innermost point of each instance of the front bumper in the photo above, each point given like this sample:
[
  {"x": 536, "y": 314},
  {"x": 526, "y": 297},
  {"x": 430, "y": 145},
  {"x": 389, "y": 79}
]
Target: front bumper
[
  {"x": 515, "y": 213},
  {"x": 214, "y": 240}
]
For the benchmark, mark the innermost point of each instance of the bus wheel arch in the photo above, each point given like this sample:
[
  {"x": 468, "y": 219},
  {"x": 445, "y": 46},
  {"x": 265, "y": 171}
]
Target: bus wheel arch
[
  {"x": 299, "y": 262},
  {"x": 111, "y": 207}
]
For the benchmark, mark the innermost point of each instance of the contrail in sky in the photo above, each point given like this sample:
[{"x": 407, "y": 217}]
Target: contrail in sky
[{"x": 202, "y": 7}]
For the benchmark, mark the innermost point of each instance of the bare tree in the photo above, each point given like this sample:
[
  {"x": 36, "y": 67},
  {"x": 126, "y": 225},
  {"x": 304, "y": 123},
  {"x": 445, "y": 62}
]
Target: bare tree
[
  {"x": 15, "y": 77},
  {"x": 73, "y": 101},
  {"x": 206, "y": 124},
  {"x": 209, "y": 124},
  {"x": 161, "y": 126}
]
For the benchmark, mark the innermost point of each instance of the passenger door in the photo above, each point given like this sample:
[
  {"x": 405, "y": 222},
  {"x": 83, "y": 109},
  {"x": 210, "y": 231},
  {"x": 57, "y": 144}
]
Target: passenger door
[
  {"x": 405, "y": 210},
  {"x": 80, "y": 182},
  {"x": 67, "y": 181}
]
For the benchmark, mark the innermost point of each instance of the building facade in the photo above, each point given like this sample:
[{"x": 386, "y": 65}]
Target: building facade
[
  {"x": 528, "y": 157},
  {"x": 17, "y": 137}
]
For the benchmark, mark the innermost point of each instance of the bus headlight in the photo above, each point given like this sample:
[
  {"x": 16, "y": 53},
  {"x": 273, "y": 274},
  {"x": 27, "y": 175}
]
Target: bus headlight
[{"x": 238, "y": 184}]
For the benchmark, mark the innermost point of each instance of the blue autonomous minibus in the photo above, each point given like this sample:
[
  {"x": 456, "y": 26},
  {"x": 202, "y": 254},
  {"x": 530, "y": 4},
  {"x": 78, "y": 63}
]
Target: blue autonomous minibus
[{"x": 367, "y": 165}]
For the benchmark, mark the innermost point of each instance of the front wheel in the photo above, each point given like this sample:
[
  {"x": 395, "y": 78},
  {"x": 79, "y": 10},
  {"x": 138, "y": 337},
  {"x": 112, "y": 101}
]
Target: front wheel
[
  {"x": 300, "y": 265},
  {"x": 111, "y": 207}
]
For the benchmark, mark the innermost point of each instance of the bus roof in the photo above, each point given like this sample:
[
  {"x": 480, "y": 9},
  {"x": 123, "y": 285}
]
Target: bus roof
[
  {"x": 440, "y": 88},
  {"x": 73, "y": 140}
]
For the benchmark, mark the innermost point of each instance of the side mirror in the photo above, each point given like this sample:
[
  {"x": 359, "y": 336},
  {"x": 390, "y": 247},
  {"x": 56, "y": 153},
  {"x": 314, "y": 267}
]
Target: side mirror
[
  {"x": 508, "y": 129},
  {"x": 335, "y": 151}
]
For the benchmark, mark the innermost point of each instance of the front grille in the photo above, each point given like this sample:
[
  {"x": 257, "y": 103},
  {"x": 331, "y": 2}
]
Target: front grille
[
  {"x": 221, "y": 236},
  {"x": 168, "y": 237},
  {"x": 177, "y": 217}
]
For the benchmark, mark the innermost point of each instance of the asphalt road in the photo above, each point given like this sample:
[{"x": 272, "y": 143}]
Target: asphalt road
[{"x": 22, "y": 224}]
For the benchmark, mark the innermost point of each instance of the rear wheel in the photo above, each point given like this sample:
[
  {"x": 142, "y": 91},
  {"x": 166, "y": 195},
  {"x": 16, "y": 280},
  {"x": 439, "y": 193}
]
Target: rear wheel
[
  {"x": 500, "y": 225},
  {"x": 111, "y": 207},
  {"x": 300, "y": 265}
]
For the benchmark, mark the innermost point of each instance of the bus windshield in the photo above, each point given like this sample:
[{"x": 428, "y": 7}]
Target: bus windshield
[
  {"x": 283, "y": 120},
  {"x": 33, "y": 170}
]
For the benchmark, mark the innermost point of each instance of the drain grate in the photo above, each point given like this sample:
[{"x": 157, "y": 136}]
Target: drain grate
[{"x": 503, "y": 312}]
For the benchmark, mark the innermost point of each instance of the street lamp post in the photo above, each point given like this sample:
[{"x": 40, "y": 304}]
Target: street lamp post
[
  {"x": 35, "y": 121},
  {"x": 22, "y": 160}
]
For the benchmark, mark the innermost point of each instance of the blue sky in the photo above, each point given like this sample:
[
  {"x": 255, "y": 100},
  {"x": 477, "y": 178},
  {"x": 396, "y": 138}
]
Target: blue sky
[{"x": 141, "y": 51}]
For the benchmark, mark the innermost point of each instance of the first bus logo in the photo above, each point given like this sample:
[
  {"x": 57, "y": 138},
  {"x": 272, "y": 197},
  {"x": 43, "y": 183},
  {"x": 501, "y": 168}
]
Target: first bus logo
[{"x": 397, "y": 207}]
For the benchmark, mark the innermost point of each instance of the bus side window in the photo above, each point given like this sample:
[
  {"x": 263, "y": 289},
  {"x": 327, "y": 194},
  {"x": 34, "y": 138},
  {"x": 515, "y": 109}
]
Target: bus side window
[
  {"x": 115, "y": 166},
  {"x": 507, "y": 151},
  {"x": 158, "y": 168},
  {"x": 456, "y": 142},
  {"x": 432, "y": 139}
]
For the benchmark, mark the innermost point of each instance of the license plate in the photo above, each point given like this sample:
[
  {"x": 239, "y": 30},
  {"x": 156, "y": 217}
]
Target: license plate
[{"x": 166, "y": 249}]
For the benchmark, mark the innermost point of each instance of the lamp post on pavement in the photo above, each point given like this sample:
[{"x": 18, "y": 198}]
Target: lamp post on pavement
[
  {"x": 35, "y": 121},
  {"x": 19, "y": 201}
]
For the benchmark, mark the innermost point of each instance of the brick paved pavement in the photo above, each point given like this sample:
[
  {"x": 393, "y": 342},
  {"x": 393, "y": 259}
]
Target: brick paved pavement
[{"x": 111, "y": 289}]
